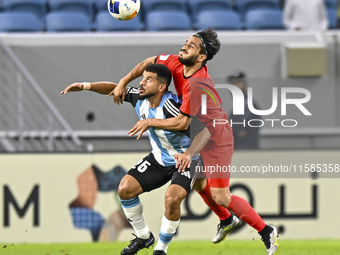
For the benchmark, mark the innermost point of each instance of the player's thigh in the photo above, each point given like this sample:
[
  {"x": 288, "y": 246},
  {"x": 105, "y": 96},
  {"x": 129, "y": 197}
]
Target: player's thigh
[
  {"x": 217, "y": 163},
  {"x": 149, "y": 174}
]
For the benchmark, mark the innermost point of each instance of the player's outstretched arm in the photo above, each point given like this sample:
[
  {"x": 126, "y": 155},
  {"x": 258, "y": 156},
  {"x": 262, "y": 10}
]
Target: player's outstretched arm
[
  {"x": 120, "y": 92},
  {"x": 103, "y": 87},
  {"x": 183, "y": 160}
]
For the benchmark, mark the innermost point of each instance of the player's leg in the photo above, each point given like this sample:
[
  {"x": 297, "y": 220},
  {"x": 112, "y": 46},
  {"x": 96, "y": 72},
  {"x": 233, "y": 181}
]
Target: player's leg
[
  {"x": 143, "y": 177},
  {"x": 228, "y": 222},
  {"x": 177, "y": 191},
  {"x": 170, "y": 221},
  {"x": 245, "y": 212},
  {"x": 219, "y": 186}
]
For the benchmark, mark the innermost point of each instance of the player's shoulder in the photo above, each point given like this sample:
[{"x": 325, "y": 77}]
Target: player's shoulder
[
  {"x": 171, "y": 104},
  {"x": 164, "y": 57},
  {"x": 172, "y": 97}
]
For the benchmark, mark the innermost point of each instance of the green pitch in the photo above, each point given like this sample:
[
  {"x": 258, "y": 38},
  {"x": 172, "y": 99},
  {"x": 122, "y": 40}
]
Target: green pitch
[{"x": 230, "y": 247}]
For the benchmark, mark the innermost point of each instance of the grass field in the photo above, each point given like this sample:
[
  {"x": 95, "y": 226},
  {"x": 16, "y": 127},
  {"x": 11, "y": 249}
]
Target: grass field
[{"x": 305, "y": 247}]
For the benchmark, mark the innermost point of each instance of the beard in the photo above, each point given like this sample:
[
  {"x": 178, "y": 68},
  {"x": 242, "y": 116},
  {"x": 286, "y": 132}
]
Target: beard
[
  {"x": 189, "y": 61},
  {"x": 150, "y": 94}
]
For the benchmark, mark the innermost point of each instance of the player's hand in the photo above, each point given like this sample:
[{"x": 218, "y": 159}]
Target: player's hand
[
  {"x": 141, "y": 126},
  {"x": 119, "y": 93},
  {"x": 183, "y": 161},
  {"x": 77, "y": 86}
]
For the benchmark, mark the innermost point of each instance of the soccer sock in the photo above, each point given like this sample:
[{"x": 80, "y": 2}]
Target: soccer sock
[
  {"x": 245, "y": 212},
  {"x": 168, "y": 229},
  {"x": 219, "y": 210},
  {"x": 134, "y": 213}
]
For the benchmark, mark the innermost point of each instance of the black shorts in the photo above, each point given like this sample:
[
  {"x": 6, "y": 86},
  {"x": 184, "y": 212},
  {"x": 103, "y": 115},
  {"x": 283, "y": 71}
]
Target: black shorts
[{"x": 152, "y": 175}]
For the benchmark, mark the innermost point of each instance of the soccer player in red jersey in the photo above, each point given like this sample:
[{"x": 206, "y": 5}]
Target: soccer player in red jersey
[{"x": 191, "y": 79}]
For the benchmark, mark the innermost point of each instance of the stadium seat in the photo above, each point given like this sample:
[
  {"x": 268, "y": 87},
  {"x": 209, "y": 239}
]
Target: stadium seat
[
  {"x": 101, "y": 5},
  {"x": 196, "y": 6},
  {"x": 332, "y": 18},
  {"x": 37, "y": 7},
  {"x": 219, "y": 20},
  {"x": 152, "y": 5},
  {"x": 20, "y": 22},
  {"x": 67, "y": 22},
  {"x": 167, "y": 20},
  {"x": 264, "y": 19},
  {"x": 331, "y": 4},
  {"x": 244, "y": 6},
  {"x": 84, "y": 6},
  {"x": 105, "y": 22}
]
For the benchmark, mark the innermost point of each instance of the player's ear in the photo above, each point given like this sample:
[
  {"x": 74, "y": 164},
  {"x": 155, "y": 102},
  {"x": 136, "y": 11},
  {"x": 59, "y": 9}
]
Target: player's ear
[
  {"x": 201, "y": 57},
  {"x": 162, "y": 87}
]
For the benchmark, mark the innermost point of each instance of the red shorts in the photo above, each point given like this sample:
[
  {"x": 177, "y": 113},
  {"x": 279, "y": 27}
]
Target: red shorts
[{"x": 217, "y": 163}]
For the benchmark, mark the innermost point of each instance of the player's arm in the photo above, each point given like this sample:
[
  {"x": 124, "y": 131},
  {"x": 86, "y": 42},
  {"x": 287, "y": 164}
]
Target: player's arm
[
  {"x": 103, "y": 87},
  {"x": 180, "y": 122},
  {"x": 120, "y": 91},
  {"x": 183, "y": 160}
]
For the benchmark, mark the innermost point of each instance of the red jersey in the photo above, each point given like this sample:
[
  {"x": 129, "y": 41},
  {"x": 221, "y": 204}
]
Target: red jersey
[{"x": 190, "y": 89}]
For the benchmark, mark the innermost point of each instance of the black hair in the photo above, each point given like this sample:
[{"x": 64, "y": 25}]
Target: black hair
[
  {"x": 162, "y": 71},
  {"x": 210, "y": 44}
]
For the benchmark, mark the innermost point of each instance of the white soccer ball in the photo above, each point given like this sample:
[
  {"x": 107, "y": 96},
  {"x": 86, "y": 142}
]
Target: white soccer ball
[{"x": 123, "y": 9}]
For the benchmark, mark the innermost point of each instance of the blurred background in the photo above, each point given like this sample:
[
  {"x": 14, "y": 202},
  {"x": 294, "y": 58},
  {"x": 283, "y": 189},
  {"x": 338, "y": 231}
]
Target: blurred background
[{"x": 48, "y": 139}]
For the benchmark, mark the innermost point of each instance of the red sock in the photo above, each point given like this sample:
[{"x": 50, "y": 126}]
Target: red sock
[
  {"x": 245, "y": 212},
  {"x": 219, "y": 210}
]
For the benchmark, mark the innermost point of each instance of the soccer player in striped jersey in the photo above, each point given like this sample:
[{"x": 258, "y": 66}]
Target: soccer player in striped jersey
[
  {"x": 191, "y": 78},
  {"x": 153, "y": 100}
]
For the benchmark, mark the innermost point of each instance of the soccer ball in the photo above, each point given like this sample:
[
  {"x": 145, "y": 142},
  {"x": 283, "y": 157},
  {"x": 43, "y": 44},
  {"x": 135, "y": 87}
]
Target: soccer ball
[{"x": 123, "y": 9}]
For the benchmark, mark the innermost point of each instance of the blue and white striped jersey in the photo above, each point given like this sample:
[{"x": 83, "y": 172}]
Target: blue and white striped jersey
[{"x": 165, "y": 143}]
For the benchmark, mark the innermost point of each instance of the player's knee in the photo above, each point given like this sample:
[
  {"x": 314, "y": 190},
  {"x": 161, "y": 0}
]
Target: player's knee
[
  {"x": 126, "y": 190},
  {"x": 172, "y": 203}
]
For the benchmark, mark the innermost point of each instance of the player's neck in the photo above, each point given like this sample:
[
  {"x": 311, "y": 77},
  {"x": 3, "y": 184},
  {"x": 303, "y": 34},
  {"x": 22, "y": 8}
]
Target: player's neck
[
  {"x": 155, "y": 100},
  {"x": 189, "y": 71}
]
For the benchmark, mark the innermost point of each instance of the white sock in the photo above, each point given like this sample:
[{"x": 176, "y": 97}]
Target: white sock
[
  {"x": 134, "y": 212},
  {"x": 168, "y": 229}
]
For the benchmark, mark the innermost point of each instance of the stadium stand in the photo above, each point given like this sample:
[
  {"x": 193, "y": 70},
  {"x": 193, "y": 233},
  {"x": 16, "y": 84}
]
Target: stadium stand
[
  {"x": 167, "y": 20},
  {"x": 196, "y": 6},
  {"x": 200, "y": 14},
  {"x": 37, "y": 7},
  {"x": 264, "y": 19},
  {"x": 67, "y": 22},
  {"x": 244, "y": 6},
  {"x": 332, "y": 18},
  {"x": 331, "y": 4},
  {"x": 219, "y": 20},
  {"x": 104, "y": 23},
  {"x": 84, "y": 6},
  {"x": 20, "y": 22},
  {"x": 152, "y": 5}
]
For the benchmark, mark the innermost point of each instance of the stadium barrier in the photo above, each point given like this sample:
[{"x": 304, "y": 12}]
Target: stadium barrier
[{"x": 73, "y": 197}]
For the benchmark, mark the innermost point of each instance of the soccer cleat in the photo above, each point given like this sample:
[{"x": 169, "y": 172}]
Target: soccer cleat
[
  {"x": 270, "y": 241},
  {"x": 137, "y": 244},
  {"x": 158, "y": 252},
  {"x": 224, "y": 230}
]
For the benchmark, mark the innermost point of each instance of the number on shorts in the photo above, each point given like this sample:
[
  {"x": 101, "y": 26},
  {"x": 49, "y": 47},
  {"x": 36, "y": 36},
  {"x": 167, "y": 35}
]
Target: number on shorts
[{"x": 142, "y": 167}]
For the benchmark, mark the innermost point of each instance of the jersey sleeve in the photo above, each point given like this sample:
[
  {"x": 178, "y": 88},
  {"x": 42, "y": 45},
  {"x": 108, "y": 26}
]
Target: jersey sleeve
[
  {"x": 132, "y": 96},
  {"x": 169, "y": 60}
]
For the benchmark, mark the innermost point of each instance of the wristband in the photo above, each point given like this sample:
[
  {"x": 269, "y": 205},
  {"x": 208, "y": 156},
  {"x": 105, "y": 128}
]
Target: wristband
[{"x": 86, "y": 86}]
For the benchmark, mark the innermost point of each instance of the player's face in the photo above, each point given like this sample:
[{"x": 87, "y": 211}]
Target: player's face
[
  {"x": 149, "y": 86},
  {"x": 190, "y": 51}
]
